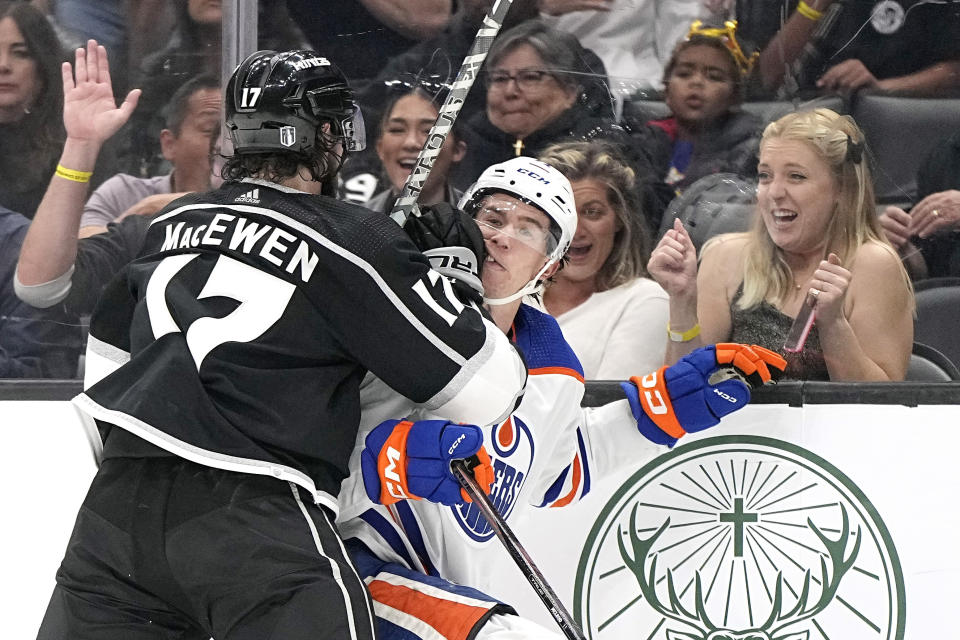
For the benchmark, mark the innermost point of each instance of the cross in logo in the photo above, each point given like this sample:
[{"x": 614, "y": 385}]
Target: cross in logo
[{"x": 738, "y": 517}]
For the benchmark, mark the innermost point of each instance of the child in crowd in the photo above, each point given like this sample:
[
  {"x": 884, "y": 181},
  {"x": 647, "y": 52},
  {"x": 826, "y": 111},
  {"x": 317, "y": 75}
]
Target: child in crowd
[{"x": 706, "y": 132}]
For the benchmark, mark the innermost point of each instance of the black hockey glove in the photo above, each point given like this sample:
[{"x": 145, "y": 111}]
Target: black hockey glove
[{"x": 452, "y": 242}]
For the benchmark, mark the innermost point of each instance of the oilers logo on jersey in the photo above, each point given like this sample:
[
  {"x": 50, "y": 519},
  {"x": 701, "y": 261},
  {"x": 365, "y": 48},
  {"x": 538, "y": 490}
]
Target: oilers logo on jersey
[{"x": 511, "y": 452}]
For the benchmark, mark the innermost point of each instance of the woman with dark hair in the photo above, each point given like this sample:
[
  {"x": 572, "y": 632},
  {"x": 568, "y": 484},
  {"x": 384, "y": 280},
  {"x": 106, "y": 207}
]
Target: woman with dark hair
[
  {"x": 409, "y": 113},
  {"x": 31, "y": 98}
]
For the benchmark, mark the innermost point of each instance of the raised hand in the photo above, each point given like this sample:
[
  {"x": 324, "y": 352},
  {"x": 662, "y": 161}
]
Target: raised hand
[
  {"x": 90, "y": 113},
  {"x": 831, "y": 282},
  {"x": 673, "y": 262}
]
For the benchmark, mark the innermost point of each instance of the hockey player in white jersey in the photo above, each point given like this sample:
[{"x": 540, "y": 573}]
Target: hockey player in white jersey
[{"x": 423, "y": 550}]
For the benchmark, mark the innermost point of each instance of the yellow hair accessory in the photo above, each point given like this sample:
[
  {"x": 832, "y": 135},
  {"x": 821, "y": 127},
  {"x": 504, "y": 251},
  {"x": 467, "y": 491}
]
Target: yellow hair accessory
[{"x": 727, "y": 34}]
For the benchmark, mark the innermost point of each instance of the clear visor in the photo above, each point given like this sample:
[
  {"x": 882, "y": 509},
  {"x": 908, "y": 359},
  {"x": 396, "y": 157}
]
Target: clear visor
[
  {"x": 503, "y": 219},
  {"x": 337, "y": 103},
  {"x": 354, "y": 132}
]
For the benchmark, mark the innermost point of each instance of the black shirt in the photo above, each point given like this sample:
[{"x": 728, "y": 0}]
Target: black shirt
[
  {"x": 892, "y": 38},
  {"x": 941, "y": 172}
]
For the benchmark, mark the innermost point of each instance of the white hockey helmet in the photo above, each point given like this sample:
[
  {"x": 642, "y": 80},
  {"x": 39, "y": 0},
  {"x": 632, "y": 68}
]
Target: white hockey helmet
[{"x": 537, "y": 184}]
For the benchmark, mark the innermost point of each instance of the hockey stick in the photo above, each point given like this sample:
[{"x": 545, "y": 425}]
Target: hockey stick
[
  {"x": 530, "y": 571},
  {"x": 406, "y": 204}
]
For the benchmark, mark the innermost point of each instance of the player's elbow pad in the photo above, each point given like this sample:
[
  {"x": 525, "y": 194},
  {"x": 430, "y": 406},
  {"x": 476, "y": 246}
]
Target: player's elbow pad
[
  {"x": 494, "y": 389},
  {"x": 45, "y": 294}
]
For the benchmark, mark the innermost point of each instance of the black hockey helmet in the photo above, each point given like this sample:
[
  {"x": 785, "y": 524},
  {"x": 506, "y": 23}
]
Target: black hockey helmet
[{"x": 278, "y": 102}]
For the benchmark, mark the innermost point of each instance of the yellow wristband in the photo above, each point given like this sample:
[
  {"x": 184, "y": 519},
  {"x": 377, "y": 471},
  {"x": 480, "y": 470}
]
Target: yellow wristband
[
  {"x": 70, "y": 174},
  {"x": 808, "y": 12},
  {"x": 686, "y": 336}
]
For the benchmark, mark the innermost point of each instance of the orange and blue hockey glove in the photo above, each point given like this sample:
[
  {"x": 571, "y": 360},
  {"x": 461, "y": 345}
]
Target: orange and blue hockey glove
[
  {"x": 699, "y": 389},
  {"x": 403, "y": 459}
]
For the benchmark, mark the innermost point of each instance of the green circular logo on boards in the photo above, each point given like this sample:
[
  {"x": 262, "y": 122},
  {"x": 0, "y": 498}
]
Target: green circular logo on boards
[{"x": 740, "y": 538}]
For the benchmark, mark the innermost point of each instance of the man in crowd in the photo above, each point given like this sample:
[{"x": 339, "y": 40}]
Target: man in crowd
[{"x": 187, "y": 142}]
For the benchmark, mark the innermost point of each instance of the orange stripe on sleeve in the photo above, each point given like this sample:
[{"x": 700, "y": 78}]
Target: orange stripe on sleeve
[
  {"x": 453, "y": 620},
  {"x": 563, "y": 371},
  {"x": 567, "y": 499}
]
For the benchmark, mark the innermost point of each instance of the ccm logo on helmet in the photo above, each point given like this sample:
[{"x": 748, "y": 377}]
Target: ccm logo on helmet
[
  {"x": 534, "y": 175},
  {"x": 311, "y": 62}
]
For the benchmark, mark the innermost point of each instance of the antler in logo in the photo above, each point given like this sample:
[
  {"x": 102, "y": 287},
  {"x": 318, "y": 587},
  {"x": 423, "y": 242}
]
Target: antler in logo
[{"x": 778, "y": 621}]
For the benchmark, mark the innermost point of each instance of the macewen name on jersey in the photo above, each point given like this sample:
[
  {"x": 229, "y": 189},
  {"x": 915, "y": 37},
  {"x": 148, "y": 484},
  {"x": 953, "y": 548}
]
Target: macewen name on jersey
[
  {"x": 237, "y": 233},
  {"x": 240, "y": 334}
]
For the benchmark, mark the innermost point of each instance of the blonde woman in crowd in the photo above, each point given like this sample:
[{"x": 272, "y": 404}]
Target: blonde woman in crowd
[
  {"x": 611, "y": 313},
  {"x": 815, "y": 240}
]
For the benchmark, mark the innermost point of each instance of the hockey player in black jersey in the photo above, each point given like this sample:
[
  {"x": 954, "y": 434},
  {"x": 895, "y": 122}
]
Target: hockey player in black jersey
[{"x": 223, "y": 373}]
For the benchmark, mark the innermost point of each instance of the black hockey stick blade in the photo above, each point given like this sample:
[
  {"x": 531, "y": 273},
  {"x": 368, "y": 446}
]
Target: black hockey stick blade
[
  {"x": 406, "y": 204},
  {"x": 530, "y": 571}
]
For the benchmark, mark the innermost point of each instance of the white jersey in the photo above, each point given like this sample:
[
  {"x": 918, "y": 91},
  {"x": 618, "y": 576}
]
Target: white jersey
[{"x": 544, "y": 455}]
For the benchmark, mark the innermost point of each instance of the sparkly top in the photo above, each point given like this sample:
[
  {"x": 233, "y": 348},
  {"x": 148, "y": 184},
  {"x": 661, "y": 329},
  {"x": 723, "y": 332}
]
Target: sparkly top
[{"x": 767, "y": 326}]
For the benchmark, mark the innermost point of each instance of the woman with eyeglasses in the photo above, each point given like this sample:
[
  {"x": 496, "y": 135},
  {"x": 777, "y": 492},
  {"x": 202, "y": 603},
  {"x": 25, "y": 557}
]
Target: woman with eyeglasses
[{"x": 542, "y": 87}]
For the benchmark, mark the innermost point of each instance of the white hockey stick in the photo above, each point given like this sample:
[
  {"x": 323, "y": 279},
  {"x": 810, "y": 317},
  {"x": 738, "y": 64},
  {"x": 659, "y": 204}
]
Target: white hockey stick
[
  {"x": 406, "y": 204},
  {"x": 530, "y": 571}
]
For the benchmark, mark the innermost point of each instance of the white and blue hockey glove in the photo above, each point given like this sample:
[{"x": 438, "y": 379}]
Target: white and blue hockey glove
[
  {"x": 403, "y": 459},
  {"x": 681, "y": 399}
]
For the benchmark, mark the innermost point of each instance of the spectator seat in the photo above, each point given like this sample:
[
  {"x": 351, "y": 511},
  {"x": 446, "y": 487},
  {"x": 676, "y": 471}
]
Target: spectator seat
[
  {"x": 767, "y": 111},
  {"x": 900, "y": 134},
  {"x": 929, "y": 365},
  {"x": 936, "y": 325}
]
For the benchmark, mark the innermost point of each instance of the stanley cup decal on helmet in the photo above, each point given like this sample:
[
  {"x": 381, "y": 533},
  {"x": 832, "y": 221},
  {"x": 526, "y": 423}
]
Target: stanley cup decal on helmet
[{"x": 279, "y": 102}]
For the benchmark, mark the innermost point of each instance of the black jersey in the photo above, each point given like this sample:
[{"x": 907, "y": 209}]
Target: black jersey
[{"x": 240, "y": 335}]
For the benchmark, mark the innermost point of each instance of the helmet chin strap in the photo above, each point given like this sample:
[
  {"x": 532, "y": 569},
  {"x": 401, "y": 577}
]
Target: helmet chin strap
[{"x": 532, "y": 287}]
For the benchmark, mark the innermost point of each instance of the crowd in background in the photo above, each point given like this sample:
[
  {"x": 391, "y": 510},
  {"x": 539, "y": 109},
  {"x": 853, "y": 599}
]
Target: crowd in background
[{"x": 571, "y": 82}]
